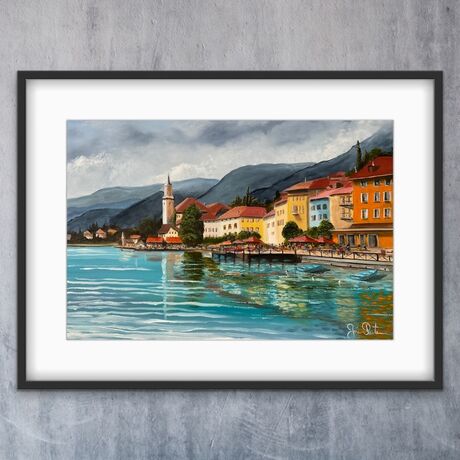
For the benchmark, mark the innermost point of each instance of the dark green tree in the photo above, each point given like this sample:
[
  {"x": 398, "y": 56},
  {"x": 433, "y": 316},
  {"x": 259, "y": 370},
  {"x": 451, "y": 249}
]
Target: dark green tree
[
  {"x": 291, "y": 230},
  {"x": 359, "y": 157},
  {"x": 325, "y": 229},
  {"x": 191, "y": 227},
  {"x": 148, "y": 227},
  {"x": 312, "y": 232}
]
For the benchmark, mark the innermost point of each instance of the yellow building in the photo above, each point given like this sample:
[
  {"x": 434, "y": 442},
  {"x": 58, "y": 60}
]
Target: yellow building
[
  {"x": 239, "y": 219},
  {"x": 281, "y": 218},
  {"x": 294, "y": 205}
]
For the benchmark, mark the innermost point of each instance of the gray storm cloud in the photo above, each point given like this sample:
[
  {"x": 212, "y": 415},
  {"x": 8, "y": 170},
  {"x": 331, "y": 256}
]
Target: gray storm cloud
[{"x": 106, "y": 153}]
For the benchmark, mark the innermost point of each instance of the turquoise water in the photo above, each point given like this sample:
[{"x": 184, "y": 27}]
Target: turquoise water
[{"x": 115, "y": 294}]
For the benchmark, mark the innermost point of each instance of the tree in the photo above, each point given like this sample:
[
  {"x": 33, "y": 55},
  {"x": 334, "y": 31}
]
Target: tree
[
  {"x": 325, "y": 229},
  {"x": 359, "y": 157},
  {"x": 148, "y": 227},
  {"x": 247, "y": 200},
  {"x": 369, "y": 156},
  {"x": 247, "y": 234},
  {"x": 291, "y": 230},
  {"x": 312, "y": 232},
  {"x": 191, "y": 227}
]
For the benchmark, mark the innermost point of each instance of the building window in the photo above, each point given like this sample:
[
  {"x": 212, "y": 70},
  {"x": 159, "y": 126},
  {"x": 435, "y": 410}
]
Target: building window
[
  {"x": 364, "y": 197},
  {"x": 234, "y": 225},
  {"x": 324, "y": 206},
  {"x": 373, "y": 241},
  {"x": 351, "y": 240},
  {"x": 313, "y": 208},
  {"x": 387, "y": 196},
  {"x": 362, "y": 240},
  {"x": 225, "y": 227},
  {"x": 377, "y": 182},
  {"x": 387, "y": 213},
  {"x": 364, "y": 183},
  {"x": 364, "y": 213},
  {"x": 318, "y": 207},
  {"x": 388, "y": 181},
  {"x": 376, "y": 197},
  {"x": 341, "y": 240},
  {"x": 313, "y": 218},
  {"x": 376, "y": 213}
]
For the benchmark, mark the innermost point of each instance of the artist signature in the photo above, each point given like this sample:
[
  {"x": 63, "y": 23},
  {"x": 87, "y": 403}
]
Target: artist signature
[{"x": 362, "y": 329}]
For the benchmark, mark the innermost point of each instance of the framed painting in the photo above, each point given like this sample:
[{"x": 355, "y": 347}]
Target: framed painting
[{"x": 229, "y": 230}]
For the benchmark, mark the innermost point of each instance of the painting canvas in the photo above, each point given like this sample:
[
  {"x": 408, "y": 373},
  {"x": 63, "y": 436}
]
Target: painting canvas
[{"x": 230, "y": 229}]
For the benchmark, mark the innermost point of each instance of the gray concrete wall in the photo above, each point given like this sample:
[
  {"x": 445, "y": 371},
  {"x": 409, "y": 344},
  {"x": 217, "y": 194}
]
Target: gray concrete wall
[{"x": 224, "y": 34}]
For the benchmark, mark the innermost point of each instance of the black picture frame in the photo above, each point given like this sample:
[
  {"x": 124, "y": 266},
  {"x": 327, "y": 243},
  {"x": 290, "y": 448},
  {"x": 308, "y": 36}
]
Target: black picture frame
[{"x": 24, "y": 383}]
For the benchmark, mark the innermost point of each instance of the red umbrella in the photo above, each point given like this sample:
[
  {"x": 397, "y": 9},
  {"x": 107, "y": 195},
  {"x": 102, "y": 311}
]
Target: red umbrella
[{"x": 302, "y": 239}]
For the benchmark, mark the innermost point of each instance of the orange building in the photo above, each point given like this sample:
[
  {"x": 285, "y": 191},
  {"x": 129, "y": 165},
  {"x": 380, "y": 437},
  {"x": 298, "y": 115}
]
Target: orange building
[{"x": 372, "y": 207}]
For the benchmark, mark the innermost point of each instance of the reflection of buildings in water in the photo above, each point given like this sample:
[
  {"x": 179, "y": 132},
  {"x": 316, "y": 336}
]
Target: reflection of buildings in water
[{"x": 168, "y": 261}]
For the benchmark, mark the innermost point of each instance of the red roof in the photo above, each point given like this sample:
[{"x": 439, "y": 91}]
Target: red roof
[
  {"x": 184, "y": 204},
  {"x": 315, "y": 184},
  {"x": 154, "y": 239},
  {"x": 302, "y": 239},
  {"x": 270, "y": 214},
  {"x": 226, "y": 243},
  {"x": 215, "y": 208},
  {"x": 342, "y": 190},
  {"x": 173, "y": 240},
  {"x": 253, "y": 240},
  {"x": 208, "y": 216},
  {"x": 244, "y": 211},
  {"x": 324, "y": 240},
  {"x": 135, "y": 237},
  {"x": 165, "y": 229},
  {"x": 378, "y": 167}
]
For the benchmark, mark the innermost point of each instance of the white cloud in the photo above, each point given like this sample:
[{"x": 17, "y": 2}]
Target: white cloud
[{"x": 149, "y": 162}]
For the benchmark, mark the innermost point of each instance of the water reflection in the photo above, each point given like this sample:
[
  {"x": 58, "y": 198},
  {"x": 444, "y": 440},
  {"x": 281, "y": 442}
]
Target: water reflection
[{"x": 116, "y": 294}]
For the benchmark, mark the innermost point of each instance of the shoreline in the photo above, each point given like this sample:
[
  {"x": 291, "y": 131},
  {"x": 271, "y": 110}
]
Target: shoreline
[{"x": 304, "y": 259}]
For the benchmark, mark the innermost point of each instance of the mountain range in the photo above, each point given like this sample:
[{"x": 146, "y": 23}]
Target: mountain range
[{"x": 127, "y": 206}]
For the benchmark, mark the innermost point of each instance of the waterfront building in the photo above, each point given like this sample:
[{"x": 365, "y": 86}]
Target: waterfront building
[
  {"x": 334, "y": 205},
  {"x": 319, "y": 208},
  {"x": 300, "y": 194},
  {"x": 88, "y": 235},
  {"x": 100, "y": 233},
  {"x": 112, "y": 231},
  {"x": 372, "y": 198},
  {"x": 167, "y": 231},
  {"x": 168, "y": 203},
  {"x": 269, "y": 234},
  {"x": 341, "y": 206},
  {"x": 281, "y": 214},
  {"x": 236, "y": 220}
]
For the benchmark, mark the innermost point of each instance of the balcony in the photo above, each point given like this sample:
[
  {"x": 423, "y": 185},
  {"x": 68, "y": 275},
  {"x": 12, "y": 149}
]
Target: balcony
[
  {"x": 295, "y": 210},
  {"x": 346, "y": 216},
  {"x": 346, "y": 201}
]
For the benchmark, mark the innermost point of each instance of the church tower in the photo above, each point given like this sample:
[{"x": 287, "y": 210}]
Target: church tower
[{"x": 168, "y": 203}]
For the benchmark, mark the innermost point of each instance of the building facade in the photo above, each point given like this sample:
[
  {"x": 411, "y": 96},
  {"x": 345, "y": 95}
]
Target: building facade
[
  {"x": 269, "y": 234},
  {"x": 234, "y": 221},
  {"x": 372, "y": 198},
  {"x": 319, "y": 210}
]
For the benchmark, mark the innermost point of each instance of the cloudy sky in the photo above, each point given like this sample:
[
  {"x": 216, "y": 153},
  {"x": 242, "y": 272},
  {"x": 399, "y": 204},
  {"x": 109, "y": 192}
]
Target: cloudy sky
[{"x": 107, "y": 153}]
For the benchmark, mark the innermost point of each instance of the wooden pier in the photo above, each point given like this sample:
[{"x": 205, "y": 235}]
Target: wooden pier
[{"x": 257, "y": 256}]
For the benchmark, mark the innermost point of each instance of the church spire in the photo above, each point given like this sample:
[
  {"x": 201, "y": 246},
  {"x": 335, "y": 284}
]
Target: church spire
[{"x": 169, "y": 182}]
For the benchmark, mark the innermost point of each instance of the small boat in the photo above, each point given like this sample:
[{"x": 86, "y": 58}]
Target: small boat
[
  {"x": 368, "y": 275},
  {"x": 315, "y": 268}
]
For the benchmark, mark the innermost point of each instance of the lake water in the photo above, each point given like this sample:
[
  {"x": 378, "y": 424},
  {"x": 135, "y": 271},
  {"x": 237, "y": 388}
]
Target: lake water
[{"x": 115, "y": 294}]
